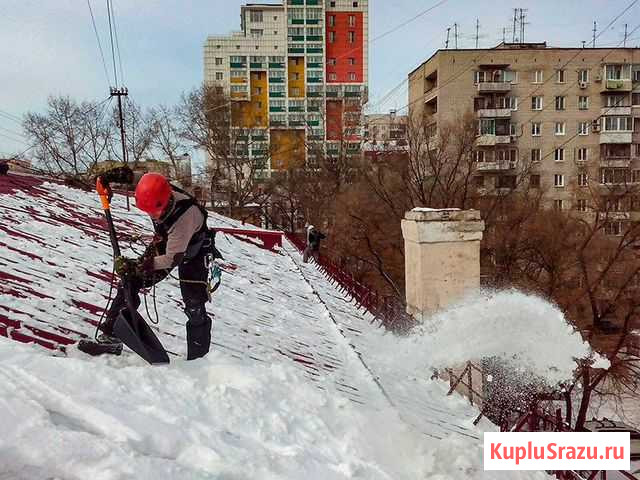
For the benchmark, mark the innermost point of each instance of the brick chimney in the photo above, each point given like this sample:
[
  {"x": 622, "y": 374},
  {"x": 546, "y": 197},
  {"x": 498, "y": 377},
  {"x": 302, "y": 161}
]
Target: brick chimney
[{"x": 442, "y": 257}]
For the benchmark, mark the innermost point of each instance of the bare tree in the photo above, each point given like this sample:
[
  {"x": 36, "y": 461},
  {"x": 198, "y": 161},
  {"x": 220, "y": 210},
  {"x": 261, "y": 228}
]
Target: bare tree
[{"x": 70, "y": 138}]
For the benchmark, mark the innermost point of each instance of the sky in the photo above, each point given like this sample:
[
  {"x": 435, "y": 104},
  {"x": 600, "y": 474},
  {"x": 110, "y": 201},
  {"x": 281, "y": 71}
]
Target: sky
[{"x": 48, "y": 47}]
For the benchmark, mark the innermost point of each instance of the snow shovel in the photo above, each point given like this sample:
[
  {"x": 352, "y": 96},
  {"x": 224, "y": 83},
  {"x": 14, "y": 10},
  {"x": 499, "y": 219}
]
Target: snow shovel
[{"x": 129, "y": 326}]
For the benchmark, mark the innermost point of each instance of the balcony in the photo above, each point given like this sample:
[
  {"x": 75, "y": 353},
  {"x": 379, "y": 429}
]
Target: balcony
[
  {"x": 620, "y": 111},
  {"x": 497, "y": 166},
  {"x": 615, "y": 162},
  {"x": 616, "y": 137},
  {"x": 616, "y": 85},
  {"x": 430, "y": 95},
  {"x": 489, "y": 140},
  {"x": 488, "y": 87},
  {"x": 276, "y": 65},
  {"x": 494, "y": 112}
]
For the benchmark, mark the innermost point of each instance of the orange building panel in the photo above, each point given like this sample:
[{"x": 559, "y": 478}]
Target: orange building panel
[
  {"x": 295, "y": 72},
  {"x": 255, "y": 112},
  {"x": 287, "y": 149},
  {"x": 334, "y": 119}
]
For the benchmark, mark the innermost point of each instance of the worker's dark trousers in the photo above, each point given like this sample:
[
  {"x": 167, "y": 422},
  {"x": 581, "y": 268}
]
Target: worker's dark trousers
[{"x": 194, "y": 296}]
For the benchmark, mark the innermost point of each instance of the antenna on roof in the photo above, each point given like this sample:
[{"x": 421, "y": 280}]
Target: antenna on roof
[
  {"x": 455, "y": 30},
  {"x": 595, "y": 29},
  {"x": 477, "y": 31},
  {"x": 446, "y": 43},
  {"x": 625, "y": 36}
]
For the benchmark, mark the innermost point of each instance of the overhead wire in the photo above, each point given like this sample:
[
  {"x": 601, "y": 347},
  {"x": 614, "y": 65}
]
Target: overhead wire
[
  {"x": 113, "y": 54},
  {"x": 95, "y": 29},
  {"x": 115, "y": 34}
]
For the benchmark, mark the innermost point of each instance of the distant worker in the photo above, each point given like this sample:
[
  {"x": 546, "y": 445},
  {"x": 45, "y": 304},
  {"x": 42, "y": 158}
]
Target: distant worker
[
  {"x": 313, "y": 244},
  {"x": 4, "y": 167}
]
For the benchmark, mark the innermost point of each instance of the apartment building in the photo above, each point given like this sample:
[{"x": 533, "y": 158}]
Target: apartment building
[
  {"x": 296, "y": 74},
  {"x": 386, "y": 128},
  {"x": 563, "y": 120}
]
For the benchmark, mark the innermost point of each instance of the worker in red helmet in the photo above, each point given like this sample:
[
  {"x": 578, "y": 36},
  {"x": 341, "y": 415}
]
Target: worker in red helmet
[{"x": 182, "y": 239}]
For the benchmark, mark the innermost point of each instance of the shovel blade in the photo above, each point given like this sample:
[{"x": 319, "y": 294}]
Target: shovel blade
[{"x": 138, "y": 336}]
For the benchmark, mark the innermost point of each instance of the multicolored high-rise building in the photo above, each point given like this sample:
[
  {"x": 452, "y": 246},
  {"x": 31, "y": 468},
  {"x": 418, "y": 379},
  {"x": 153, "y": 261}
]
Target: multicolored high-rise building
[{"x": 296, "y": 76}]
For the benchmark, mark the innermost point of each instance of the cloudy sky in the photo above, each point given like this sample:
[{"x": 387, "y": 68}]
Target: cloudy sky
[{"x": 48, "y": 47}]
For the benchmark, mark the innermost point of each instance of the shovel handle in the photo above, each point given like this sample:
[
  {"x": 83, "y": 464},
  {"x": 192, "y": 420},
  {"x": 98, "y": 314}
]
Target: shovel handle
[{"x": 104, "y": 194}]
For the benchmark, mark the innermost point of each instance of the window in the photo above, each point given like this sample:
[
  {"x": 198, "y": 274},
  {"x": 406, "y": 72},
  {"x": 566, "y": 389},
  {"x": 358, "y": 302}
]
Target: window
[
  {"x": 613, "y": 228},
  {"x": 560, "y": 128},
  {"x": 480, "y": 76},
  {"x": 352, "y": 20},
  {"x": 582, "y": 154},
  {"x": 638, "y": 150},
  {"x": 558, "y": 205},
  {"x": 355, "y": 4},
  {"x": 618, "y": 124},
  {"x": 219, "y": 75},
  {"x": 256, "y": 33},
  {"x": 583, "y": 103},
  {"x": 560, "y": 102},
  {"x": 314, "y": 31},
  {"x": 534, "y": 181},
  {"x": 560, "y": 76},
  {"x": 480, "y": 156},
  {"x": 506, "y": 181},
  {"x": 618, "y": 72},
  {"x": 352, "y": 61},
  {"x": 331, "y": 61},
  {"x": 333, "y": 76},
  {"x": 332, "y": 37},
  {"x": 536, "y": 103},
  {"x": 507, "y": 102},
  {"x": 613, "y": 176},
  {"x": 218, "y": 61},
  {"x": 635, "y": 98},
  {"x": 558, "y": 155},
  {"x": 558, "y": 180},
  {"x": 255, "y": 15},
  {"x": 536, "y": 155},
  {"x": 332, "y": 20},
  {"x": 616, "y": 100},
  {"x": 583, "y": 76},
  {"x": 537, "y": 76},
  {"x": 583, "y": 180},
  {"x": 352, "y": 77},
  {"x": 352, "y": 37},
  {"x": 513, "y": 129},
  {"x": 583, "y": 128},
  {"x": 479, "y": 181},
  {"x": 487, "y": 126},
  {"x": 636, "y": 75},
  {"x": 635, "y": 176},
  {"x": 535, "y": 129},
  {"x": 333, "y": 4},
  {"x": 257, "y": 91},
  {"x": 295, "y": 92},
  {"x": 295, "y": 76},
  {"x": 238, "y": 74},
  {"x": 581, "y": 205},
  {"x": 314, "y": 14}
]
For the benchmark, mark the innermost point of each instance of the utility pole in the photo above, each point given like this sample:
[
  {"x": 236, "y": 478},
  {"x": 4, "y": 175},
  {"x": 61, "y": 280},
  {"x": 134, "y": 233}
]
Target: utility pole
[
  {"x": 625, "y": 36},
  {"x": 446, "y": 43},
  {"x": 504, "y": 34},
  {"x": 455, "y": 30},
  {"x": 595, "y": 29},
  {"x": 119, "y": 93},
  {"x": 477, "y": 31}
]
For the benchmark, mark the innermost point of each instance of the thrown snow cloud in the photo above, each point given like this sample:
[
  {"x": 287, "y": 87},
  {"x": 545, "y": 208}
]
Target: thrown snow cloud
[{"x": 521, "y": 328}]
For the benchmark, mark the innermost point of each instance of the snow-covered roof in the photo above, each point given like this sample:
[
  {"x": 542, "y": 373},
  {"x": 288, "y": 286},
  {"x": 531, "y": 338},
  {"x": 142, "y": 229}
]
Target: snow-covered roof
[{"x": 299, "y": 382}]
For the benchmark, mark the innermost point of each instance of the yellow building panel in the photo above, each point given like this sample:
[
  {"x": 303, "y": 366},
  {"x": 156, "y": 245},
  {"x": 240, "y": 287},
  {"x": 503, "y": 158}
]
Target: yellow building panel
[
  {"x": 295, "y": 72},
  {"x": 287, "y": 149},
  {"x": 238, "y": 80},
  {"x": 255, "y": 112}
]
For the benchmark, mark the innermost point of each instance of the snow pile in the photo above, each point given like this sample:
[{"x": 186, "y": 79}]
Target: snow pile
[
  {"x": 218, "y": 417},
  {"x": 523, "y": 329}
]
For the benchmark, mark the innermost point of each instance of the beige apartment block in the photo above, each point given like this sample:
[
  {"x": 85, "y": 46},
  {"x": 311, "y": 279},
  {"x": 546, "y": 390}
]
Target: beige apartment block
[{"x": 564, "y": 120}]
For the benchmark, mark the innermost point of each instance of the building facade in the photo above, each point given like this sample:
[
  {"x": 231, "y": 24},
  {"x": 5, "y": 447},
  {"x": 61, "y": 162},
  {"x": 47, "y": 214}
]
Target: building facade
[
  {"x": 562, "y": 120},
  {"x": 296, "y": 75},
  {"x": 385, "y": 128}
]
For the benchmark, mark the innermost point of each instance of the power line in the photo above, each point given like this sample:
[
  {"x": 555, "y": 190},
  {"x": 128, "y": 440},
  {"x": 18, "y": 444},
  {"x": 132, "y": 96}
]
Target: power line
[
  {"x": 403, "y": 24},
  {"x": 113, "y": 54},
  {"x": 12, "y": 132},
  {"x": 10, "y": 116},
  {"x": 115, "y": 34},
  {"x": 95, "y": 29}
]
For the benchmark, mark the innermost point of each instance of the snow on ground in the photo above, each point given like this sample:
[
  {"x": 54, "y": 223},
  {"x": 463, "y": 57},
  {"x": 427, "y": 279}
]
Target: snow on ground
[{"x": 299, "y": 384}]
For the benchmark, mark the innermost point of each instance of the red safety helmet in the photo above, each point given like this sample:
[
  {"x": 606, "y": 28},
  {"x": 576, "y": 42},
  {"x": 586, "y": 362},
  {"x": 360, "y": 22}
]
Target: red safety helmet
[{"x": 153, "y": 194}]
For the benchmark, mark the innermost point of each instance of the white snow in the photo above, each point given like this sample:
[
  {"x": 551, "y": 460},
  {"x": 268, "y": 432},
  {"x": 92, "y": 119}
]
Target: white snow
[
  {"x": 526, "y": 330},
  {"x": 299, "y": 383}
]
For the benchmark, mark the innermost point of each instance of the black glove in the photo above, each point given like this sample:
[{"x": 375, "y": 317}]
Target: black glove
[
  {"x": 126, "y": 267},
  {"x": 140, "y": 268}
]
